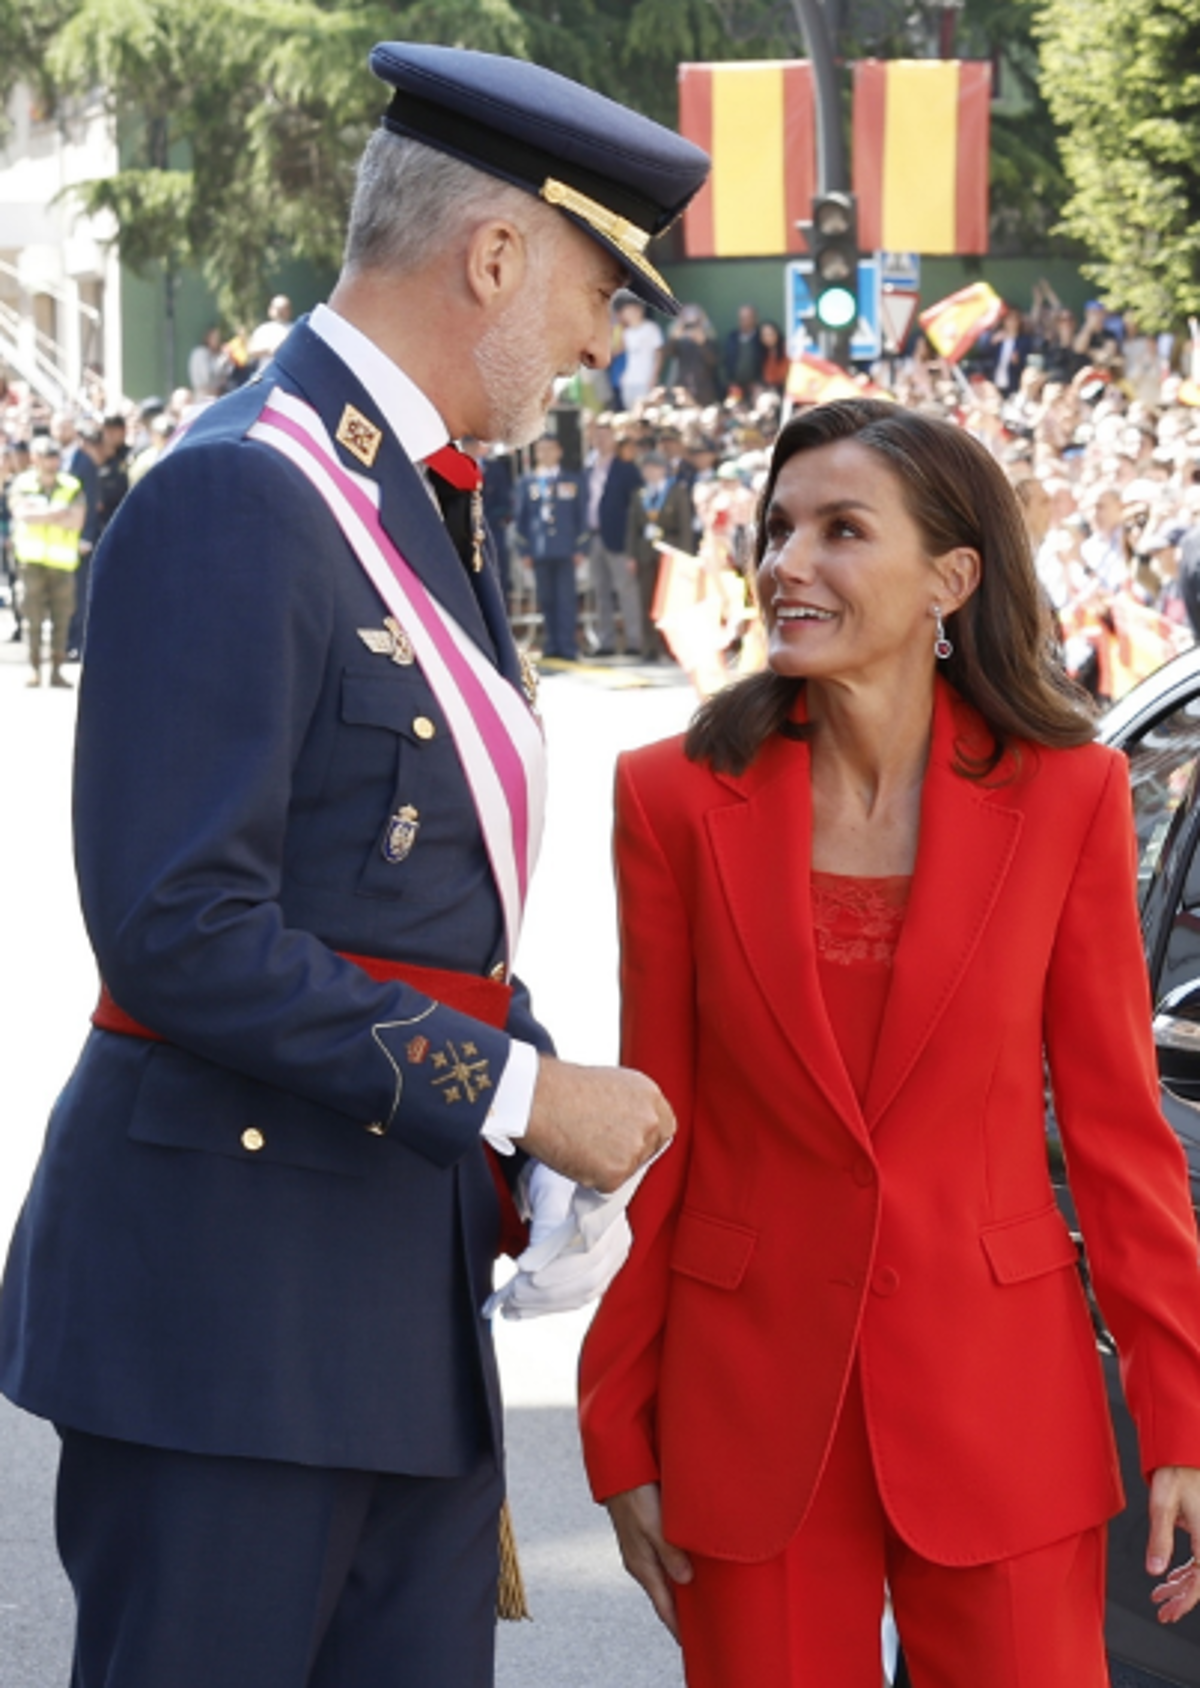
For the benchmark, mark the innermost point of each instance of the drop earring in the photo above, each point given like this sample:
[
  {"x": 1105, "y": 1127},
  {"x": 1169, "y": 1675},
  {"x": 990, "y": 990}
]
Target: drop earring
[{"x": 942, "y": 648}]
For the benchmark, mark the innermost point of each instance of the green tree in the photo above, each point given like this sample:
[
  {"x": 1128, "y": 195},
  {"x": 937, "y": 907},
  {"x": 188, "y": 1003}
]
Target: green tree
[
  {"x": 1123, "y": 83},
  {"x": 240, "y": 120},
  {"x": 25, "y": 35}
]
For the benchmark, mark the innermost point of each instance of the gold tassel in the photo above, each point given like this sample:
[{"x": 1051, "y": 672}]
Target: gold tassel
[{"x": 511, "y": 1605}]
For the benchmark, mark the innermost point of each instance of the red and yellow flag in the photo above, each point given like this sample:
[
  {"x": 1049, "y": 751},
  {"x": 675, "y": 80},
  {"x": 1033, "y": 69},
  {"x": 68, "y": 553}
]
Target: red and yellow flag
[
  {"x": 921, "y": 129},
  {"x": 955, "y": 323},
  {"x": 814, "y": 380},
  {"x": 757, "y": 121}
]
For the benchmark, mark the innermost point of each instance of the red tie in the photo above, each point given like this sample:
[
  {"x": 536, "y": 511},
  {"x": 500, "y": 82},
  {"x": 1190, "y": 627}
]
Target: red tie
[{"x": 456, "y": 467}]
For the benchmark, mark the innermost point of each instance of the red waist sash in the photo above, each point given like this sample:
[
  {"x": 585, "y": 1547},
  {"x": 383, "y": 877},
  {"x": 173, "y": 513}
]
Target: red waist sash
[{"x": 468, "y": 993}]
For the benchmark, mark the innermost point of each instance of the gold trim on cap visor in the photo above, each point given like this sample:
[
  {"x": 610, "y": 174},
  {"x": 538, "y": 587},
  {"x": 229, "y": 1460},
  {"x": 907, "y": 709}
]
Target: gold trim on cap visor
[{"x": 629, "y": 240}]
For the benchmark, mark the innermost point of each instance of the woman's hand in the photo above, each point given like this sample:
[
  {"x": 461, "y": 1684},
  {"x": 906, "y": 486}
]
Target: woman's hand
[
  {"x": 650, "y": 1559},
  {"x": 1174, "y": 1504}
]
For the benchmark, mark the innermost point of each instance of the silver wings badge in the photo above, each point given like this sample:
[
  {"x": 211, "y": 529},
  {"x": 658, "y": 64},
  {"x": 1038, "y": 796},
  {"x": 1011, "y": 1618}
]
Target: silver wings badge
[{"x": 389, "y": 640}]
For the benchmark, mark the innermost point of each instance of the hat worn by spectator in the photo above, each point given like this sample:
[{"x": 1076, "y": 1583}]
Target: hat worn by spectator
[{"x": 619, "y": 176}]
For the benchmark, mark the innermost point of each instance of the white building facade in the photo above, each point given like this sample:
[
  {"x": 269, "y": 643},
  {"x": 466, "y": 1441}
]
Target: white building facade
[{"x": 60, "y": 274}]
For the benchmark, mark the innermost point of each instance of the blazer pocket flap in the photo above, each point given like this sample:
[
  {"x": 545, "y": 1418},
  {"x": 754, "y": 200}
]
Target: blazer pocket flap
[
  {"x": 186, "y": 1103},
  {"x": 712, "y": 1250},
  {"x": 1027, "y": 1247},
  {"x": 392, "y": 700}
]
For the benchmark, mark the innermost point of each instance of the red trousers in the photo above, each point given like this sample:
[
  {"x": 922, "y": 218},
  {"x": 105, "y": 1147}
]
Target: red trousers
[{"x": 813, "y": 1614}]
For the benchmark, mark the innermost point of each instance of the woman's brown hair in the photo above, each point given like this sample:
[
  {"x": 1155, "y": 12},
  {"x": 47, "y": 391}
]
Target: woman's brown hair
[{"x": 1003, "y": 662}]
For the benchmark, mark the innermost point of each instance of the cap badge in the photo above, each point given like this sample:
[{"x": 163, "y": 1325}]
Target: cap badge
[
  {"x": 360, "y": 437},
  {"x": 400, "y": 834}
]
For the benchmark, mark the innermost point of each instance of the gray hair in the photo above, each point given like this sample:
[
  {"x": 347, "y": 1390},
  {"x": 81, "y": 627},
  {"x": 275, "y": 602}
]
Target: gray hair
[{"x": 410, "y": 203}]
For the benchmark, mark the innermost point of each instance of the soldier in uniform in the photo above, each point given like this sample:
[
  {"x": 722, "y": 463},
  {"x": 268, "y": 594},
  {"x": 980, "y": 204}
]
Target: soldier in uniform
[
  {"x": 550, "y": 521},
  {"x": 247, "y": 1282}
]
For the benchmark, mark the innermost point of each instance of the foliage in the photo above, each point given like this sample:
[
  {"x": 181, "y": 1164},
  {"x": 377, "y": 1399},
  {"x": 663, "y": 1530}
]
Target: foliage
[
  {"x": 26, "y": 32},
  {"x": 240, "y": 120},
  {"x": 1123, "y": 85}
]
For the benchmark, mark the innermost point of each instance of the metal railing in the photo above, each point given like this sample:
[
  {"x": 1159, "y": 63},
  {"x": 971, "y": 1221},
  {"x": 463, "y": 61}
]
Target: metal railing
[
  {"x": 32, "y": 355},
  {"x": 52, "y": 291}
]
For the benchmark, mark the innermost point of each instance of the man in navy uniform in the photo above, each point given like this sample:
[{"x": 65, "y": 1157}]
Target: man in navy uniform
[
  {"x": 248, "y": 1279},
  {"x": 550, "y": 522}
]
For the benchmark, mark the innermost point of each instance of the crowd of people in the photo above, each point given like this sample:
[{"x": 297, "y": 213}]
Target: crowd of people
[{"x": 626, "y": 533}]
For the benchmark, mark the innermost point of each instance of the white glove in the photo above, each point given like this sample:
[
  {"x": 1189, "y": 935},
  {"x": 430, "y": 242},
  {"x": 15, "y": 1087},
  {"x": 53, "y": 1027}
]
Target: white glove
[{"x": 579, "y": 1241}]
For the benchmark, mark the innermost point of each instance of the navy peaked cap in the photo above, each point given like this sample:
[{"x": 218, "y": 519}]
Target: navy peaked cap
[{"x": 621, "y": 177}]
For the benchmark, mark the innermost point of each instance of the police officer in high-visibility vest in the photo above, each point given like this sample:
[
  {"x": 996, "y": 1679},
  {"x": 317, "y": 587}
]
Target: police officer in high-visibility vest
[{"x": 48, "y": 510}]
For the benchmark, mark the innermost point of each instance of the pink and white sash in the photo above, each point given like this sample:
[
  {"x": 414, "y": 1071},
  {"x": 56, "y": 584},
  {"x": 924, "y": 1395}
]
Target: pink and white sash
[{"x": 496, "y": 734}]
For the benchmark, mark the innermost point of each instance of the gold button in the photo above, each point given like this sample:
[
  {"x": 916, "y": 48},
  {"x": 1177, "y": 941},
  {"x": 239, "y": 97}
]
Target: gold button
[
  {"x": 424, "y": 727},
  {"x": 498, "y": 972},
  {"x": 253, "y": 1139},
  {"x": 376, "y": 1128}
]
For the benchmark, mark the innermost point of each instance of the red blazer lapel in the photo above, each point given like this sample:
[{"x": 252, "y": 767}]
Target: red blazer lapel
[
  {"x": 762, "y": 846},
  {"x": 967, "y": 841}
]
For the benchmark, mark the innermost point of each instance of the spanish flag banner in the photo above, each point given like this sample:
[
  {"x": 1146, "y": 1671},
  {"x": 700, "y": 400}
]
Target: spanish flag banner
[
  {"x": 921, "y": 129},
  {"x": 955, "y": 323},
  {"x": 757, "y": 121},
  {"x": 814, "y": 380}
]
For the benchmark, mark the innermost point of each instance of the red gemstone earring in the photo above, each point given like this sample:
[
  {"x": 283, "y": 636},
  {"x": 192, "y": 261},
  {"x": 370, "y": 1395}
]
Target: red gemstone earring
[{"x": 942, "y": 648}]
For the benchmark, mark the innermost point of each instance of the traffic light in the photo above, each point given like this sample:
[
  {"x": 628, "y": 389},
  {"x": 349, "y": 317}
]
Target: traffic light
[{"x": 833, "y": 243}]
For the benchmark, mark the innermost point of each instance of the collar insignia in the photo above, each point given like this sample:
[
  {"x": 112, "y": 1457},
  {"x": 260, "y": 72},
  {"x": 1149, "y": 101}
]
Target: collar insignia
[{"x": 360, "y": 437}]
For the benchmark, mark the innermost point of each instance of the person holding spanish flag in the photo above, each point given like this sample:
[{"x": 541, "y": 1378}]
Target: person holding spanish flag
[{"x": 865, "y": 903}]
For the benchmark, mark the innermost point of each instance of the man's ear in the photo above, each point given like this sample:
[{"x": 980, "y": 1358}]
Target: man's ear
[{"x": 497, "y": 262}]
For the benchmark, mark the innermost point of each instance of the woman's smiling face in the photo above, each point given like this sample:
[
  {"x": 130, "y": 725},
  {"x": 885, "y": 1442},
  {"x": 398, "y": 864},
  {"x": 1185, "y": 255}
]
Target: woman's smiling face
[{"x": 846, "y": 581}]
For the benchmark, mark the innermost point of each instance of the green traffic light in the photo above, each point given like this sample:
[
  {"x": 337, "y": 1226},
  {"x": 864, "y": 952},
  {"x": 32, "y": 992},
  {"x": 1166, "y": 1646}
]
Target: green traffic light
[{"x": 837, "y": 307}]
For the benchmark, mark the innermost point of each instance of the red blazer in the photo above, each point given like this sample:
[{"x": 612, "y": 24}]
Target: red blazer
[{"x": 788, "y": 1229}]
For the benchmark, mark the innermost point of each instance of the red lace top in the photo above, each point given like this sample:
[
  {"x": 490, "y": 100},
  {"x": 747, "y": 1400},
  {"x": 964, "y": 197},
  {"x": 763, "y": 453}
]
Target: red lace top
[{"x": 857, "y": 924}]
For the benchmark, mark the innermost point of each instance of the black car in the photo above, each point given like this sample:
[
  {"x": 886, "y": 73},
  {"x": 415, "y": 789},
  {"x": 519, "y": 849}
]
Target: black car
[{"x": 1158, "y": 727}]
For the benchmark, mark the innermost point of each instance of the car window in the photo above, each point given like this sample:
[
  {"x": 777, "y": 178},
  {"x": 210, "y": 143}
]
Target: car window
[{"x": 1164, "y": 771}]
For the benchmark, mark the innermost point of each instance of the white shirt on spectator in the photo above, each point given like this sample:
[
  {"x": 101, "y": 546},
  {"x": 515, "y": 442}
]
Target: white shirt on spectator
[{"x": 642, "y": 341}]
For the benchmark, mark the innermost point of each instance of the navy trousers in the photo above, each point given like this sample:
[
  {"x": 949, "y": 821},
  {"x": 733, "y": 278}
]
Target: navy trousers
[
  {"x": 555, "y": 578},
  {"x": 203, "y": 1572}
]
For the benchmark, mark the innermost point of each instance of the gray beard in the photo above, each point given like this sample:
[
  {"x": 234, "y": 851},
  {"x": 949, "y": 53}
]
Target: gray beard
[{"x": 507, "y": 354}]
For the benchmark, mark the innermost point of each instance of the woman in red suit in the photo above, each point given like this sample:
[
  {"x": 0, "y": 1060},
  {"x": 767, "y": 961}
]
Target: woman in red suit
[{"x": 863, "y": 904}]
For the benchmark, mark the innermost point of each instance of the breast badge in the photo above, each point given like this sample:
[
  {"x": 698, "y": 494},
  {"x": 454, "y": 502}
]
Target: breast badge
[
  {"x": 360, "y": 437},
  {"x": 389, "y": 640},
  {"x": 400, "y": 834}
]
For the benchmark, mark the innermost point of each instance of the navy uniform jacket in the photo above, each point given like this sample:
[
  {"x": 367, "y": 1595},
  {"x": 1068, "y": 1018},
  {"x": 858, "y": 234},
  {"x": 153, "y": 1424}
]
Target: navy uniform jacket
[
  {"x": 240, "y": 752},
  {"x": 551, "y": 515}
]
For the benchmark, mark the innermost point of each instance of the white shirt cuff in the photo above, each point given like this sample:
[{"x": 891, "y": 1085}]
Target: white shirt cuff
[{"x": 508, "y": 1116}]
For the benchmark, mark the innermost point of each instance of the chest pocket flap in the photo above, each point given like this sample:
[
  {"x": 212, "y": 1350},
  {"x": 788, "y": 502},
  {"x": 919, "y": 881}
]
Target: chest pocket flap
[{"x": 394, "y": 701}]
